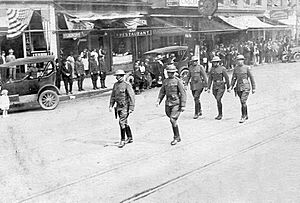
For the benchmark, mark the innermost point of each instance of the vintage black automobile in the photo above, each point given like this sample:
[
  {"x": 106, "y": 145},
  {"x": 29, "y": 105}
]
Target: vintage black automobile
[
  {"x": 36, "y": 86},
  {"x": 181, "y": 54}
]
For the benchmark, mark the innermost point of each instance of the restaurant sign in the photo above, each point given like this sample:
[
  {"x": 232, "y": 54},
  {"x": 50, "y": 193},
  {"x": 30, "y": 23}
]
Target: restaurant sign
[{"x": 137, "y": 33}]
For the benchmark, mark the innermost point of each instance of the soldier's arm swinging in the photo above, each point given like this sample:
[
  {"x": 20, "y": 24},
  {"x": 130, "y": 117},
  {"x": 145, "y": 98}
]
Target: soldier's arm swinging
[
  {"x": 253, "y": 85},
  {"x": 112, "y": 98},
  {"x": 233, "y": 79},
  {"x": 182, "y": 95},
  {"x": 131, "y": 94},
  {"x": 225, "y": 75},
  {"x": 161, "y": 94}
]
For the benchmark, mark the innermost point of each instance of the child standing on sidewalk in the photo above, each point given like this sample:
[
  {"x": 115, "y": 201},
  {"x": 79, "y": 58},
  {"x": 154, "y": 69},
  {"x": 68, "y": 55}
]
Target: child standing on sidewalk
[{"x": 4, "y": 103}]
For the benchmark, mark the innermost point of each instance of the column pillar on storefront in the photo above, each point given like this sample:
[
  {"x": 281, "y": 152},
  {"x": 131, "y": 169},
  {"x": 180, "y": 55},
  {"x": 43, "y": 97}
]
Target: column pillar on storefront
[{"x": 53, "y": 26}]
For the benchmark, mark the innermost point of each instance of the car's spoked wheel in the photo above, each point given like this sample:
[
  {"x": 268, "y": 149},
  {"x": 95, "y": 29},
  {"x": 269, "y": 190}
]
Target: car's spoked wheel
[
  {"x": 297, "y": 56},
  {"x": 183, "y": 75},
  {"x": 48, "y": 99}
]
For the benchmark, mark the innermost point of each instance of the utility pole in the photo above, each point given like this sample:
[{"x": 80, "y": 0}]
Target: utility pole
[{"x": 297, "y": 21}]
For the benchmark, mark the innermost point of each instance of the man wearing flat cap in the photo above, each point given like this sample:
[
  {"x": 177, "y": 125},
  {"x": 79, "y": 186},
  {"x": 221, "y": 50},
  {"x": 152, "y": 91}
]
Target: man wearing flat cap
[
  {"x": 198, "y": 81},
  {"x": 124, "y": 98},
  {"x": 240, "y": 83},
  {"x": 216, "y": 77},
  {"x": 174, "y": 91}
]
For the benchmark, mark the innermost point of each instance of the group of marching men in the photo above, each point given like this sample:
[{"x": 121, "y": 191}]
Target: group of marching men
[{"x": 123, "y": 97}]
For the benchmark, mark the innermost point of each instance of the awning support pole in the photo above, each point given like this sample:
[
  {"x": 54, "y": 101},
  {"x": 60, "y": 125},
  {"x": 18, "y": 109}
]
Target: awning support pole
[{"x": 24, "y": 48}]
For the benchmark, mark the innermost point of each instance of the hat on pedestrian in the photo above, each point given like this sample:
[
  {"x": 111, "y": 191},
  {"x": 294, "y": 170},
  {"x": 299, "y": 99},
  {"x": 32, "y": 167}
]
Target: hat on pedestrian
[
  {"x": 10, "y": 51},
  {"x": 171, "y": 68},
  {"x": 194, "y": 58},
  {"x": 120, "y": 72},
  {"x": 240, "y": 57},
  {"x": 216, "y": 59}
]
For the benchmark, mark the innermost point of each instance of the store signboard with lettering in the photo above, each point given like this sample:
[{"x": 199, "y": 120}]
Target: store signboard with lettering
[
  {"x": 187, "y": 3},
  {"x": 74, "y": 35},
  {"x": 138, "y": 33}
]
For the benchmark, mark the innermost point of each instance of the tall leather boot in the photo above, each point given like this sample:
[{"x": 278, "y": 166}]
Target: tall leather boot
[
  {"x": 243, "y": 115},
  {"x": 102, "y": 83},
  {"x": 246, "y": 112},
  {"x": 129, "y": 135},
  {"x": 220, "y": 113},
  {"x": 122, "y": 142},
  {"x": 94, "y": 84},
  {"x": 176, "y": 135},
  {"x": 196, "y": 110},
  {"x": 200, "y": 110}
]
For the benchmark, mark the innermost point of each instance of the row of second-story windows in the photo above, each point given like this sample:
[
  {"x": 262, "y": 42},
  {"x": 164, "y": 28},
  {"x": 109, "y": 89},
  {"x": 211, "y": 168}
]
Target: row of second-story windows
[{"x": 236, "y": 2}]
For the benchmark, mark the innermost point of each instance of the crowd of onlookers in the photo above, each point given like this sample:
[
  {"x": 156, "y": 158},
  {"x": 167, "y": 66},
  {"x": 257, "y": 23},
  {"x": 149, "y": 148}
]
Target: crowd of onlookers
[
  {"x": 255, "y": 52},
  {"x": 87, "y": 63}
]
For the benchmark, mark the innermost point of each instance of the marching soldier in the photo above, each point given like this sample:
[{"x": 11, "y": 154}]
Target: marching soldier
[
  {"x": 123, "y": 96},
  {"x": 216, "y": 76},
  {"x": 175, "y": 94},
  {"x": 240, "y": 76},
  {"x": 198, "y": 82}
]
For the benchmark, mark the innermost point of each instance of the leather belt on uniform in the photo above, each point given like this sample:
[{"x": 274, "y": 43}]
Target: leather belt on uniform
[{"x": 218, "y": 80}]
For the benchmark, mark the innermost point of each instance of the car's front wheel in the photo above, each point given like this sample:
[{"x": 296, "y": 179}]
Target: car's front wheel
[
  {"x": 48, "y": 99},
  {"x": 297, "y": 56},
  {"x": 183, "y": 75}
]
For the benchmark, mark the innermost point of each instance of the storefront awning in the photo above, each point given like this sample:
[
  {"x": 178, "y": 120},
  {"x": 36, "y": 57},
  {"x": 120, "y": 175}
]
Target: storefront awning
[
  {"x": 210, "y": 25},
  {"x": 163, "y": 27},
  {"x": 91, "y": 16},
  {"x": 249, "y": 22}
]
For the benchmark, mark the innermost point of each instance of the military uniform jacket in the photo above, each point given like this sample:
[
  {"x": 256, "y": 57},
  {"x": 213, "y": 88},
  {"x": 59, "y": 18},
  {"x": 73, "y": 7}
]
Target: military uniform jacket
[
  {"x": 94, "y": 68},
  {"x": 240, "y": 77},
  {"x": 123, "y": 95},
  {"x": 217, "y": 76},
  {"x": 174, "y": 90},
  {"x": 197, "y": 76},
  {"x": 79, "y": 68},
  {"x": 103, "y": 66}
]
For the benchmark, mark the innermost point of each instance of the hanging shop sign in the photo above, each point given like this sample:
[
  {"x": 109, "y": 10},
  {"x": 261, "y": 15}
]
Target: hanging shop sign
[
  {"x": 74, "y": 35},
  {"x": 138, "y": 33}
]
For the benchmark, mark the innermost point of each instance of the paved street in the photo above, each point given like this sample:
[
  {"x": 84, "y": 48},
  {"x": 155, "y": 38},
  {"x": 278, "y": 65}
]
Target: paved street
[{"x": 69, "y": 154}]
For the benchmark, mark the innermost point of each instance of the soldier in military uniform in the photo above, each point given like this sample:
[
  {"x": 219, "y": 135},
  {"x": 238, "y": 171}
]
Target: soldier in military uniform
[
  {"x": 123, "y": 96},
  {"x": 240, "y": 76},
  {"x": 94, "y": 71},
  {"x": 198, "y": 79},
  {"x": 173, "y": 89},
  {"x": 216, "y": 76}
]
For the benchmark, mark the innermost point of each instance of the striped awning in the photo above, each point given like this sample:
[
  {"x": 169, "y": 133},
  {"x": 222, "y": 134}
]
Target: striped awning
[{"x": 249, "y": 22}]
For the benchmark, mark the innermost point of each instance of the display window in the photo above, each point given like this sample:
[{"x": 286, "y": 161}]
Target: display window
[{"x": 122, "y": 50}]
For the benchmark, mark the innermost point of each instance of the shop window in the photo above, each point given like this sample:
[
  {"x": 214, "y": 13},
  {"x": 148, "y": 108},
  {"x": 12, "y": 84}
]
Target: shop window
[
  {"x": 247, "y": 2},
  {"x": 258, "y": 2},
  {"x": 234, "y": 2},
  {"x": 122, "y": 50}
]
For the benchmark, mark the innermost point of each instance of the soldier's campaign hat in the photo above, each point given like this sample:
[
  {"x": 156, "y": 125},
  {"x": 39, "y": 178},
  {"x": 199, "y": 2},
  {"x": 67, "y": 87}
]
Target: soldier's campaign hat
[
  {"x": 120, "y": 72},
  {"x": 10, "y": 51},
  {"x": 215, "y": 59},
  {"x": 194, "y": 58},
  {"x": 171, "y": 68},
  {"x": 240, "y": 57}
]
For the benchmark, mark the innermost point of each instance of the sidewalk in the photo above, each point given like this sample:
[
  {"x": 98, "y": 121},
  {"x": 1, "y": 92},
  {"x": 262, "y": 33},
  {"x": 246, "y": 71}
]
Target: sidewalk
[{"x": 88, "y": 87}]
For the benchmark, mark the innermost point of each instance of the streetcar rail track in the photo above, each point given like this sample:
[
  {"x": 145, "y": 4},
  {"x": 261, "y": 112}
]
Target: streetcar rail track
[{"x": 128, "y": 163}]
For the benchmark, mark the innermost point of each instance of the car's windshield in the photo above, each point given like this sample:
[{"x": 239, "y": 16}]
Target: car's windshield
[{"x": 32, "y": 71}]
